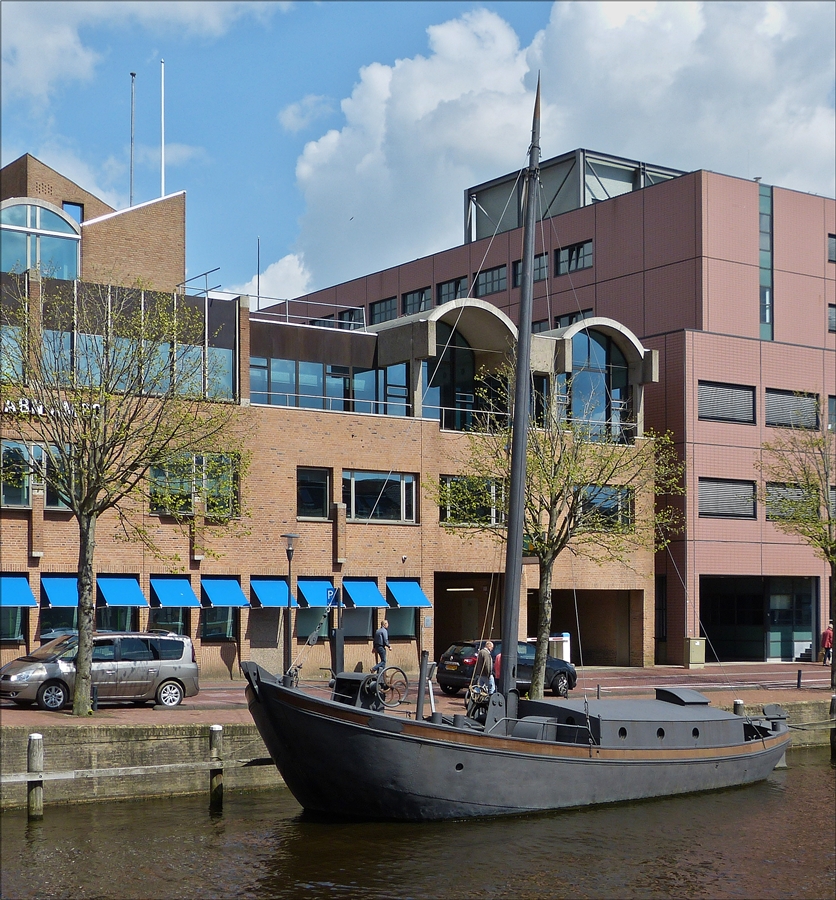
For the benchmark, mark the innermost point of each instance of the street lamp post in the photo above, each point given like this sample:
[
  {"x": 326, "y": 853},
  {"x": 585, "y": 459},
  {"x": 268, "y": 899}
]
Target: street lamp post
[{"x": 290, "y": 538}]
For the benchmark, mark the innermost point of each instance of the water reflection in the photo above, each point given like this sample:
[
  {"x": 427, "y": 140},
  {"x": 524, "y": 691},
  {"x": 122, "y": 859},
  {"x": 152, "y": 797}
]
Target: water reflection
[{"x": 775, "y": 839}]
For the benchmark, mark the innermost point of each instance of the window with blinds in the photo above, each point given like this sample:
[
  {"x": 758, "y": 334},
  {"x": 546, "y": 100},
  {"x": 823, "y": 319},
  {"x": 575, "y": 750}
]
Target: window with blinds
[
  {"x": 726, "y": 402},
  {"x": 789, "y": 409},
  {"x": 727, "y": 499},
  {"x": 786, "y": 501}
]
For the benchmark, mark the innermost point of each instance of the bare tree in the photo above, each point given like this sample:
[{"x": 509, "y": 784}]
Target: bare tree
[
  {"x": 588, "y": 491},
  {"x": 115, "y": 406},
  {"x": 799, "y": 491}
]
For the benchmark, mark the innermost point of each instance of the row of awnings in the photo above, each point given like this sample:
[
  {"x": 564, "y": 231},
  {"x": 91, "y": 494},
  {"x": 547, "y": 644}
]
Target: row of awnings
[{"x": 171, "y": 591}]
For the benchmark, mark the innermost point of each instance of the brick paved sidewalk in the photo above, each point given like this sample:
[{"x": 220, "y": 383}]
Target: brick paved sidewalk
[{"x": 223, "y": 702}]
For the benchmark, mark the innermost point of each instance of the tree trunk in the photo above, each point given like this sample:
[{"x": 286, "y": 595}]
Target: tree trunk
[
  {"x": 86, "y": 612},
  {"x": 544, "y": 625}
]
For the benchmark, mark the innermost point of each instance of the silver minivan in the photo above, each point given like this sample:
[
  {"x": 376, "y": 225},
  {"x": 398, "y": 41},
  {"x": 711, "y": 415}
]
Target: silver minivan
[{"x": 136, "y": 666}]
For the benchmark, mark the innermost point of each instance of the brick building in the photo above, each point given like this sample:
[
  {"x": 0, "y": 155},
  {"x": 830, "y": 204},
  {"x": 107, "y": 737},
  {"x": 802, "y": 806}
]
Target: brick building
[
  {"x": 349, "y": 428},
  {"x": 733, "y": 282}
]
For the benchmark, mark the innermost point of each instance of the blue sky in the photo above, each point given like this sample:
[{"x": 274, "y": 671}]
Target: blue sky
[{"x": 343, "y": 134}]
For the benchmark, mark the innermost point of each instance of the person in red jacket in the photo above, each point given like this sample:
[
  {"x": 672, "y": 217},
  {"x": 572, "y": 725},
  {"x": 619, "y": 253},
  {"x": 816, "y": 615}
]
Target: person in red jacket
[{"x": 827, "y": 644}]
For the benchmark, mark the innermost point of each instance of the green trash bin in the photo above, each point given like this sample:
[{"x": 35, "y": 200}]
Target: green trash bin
[{"x": 694, "y": 652}]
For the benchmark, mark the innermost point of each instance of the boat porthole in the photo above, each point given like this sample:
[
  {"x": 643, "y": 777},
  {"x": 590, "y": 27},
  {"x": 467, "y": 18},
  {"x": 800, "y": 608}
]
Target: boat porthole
[
  {"x": 660, "y": 733},
  {"x": 459, "y": 767},
  {"x": 570, "y": 720},
  {"x": 622, "y": 733},
  {"x": 695, "y": 733}
]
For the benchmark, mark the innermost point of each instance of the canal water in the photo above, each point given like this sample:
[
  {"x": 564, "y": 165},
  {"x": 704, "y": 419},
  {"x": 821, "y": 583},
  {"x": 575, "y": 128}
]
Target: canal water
[{"x": 774, "y": 839}]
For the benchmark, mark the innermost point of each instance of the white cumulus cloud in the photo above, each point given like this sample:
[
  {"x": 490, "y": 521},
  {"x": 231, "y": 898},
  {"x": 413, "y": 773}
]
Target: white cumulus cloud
[
  {"x": 281, "y": 280},
  {"x": 741, "y": 88}
]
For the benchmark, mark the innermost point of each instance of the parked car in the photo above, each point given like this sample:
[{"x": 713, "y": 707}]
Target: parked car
[
  {"x": 455, "y": 668},
  {"x": 136, "y": 666}
]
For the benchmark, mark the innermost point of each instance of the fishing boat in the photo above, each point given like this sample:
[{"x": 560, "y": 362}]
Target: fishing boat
[{"x": 353, "y": 753}]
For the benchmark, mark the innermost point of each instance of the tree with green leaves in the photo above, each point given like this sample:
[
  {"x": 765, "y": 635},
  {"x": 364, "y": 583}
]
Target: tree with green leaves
[
  {"x": 115, "y": 406},
  {"x": 798, "y": 469},
  {"x": 588, "y": 490}
]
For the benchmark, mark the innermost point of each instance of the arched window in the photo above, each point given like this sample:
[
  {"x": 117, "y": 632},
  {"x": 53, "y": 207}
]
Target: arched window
[
  {"x": 598, "y": 388},
  {"x": 449, "y": 388},
  {"x": 35, "y": 235}
]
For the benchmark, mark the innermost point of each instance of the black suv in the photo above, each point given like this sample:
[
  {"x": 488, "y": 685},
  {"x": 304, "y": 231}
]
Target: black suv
[{"x": 455, "y": 668}]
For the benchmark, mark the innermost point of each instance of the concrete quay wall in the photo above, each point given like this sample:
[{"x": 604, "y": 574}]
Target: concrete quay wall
[{"x": 105, "y": 762}]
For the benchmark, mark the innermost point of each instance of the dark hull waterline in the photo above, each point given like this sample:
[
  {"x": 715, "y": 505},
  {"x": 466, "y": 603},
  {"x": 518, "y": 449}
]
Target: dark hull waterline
[{"x": 344, "y": 761}]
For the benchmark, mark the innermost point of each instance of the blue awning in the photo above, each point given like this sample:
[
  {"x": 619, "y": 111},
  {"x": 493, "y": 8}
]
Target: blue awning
[
  {"x": 363, "y": 592},
  {"x": 271, "y": 592},
  {"x": 223, "y": 592},
  {"x": 406, "y": 592},
  {"x": 314, "y": 591},
  {"x": 119, "y": 590},
  {"x": 173, "y": 592},
  {"x": 60, "y": 590},
  {"x": 15, "y": 591}
]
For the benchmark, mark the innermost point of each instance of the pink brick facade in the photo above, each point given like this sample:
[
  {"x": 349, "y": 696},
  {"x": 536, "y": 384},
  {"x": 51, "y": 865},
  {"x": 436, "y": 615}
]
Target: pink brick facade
[{"x": 678, "y": 264}]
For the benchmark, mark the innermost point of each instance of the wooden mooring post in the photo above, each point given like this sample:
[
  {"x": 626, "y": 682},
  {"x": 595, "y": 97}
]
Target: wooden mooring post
[
  {"x": 35, "y": 781},
  {"x": 216, "y": 775}
]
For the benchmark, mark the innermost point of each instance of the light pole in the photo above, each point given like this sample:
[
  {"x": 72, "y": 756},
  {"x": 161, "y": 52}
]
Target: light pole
[{"x": 290, "y": 538}]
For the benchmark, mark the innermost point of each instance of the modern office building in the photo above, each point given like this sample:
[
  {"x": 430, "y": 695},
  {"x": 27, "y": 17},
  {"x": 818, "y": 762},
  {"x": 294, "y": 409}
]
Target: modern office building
[
  {"x": 733, "y": 282},
  {"x": 349, "y": 429}
]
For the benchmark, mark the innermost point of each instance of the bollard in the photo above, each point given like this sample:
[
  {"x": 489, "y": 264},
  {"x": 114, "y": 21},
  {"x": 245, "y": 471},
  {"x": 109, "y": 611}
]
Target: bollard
[
  {"x": 833, "y": 728},
  {"x": 739, "y": 709},
  {"x": 94, "y": 693},
  {"x": 216, "y": 775},
  {"x": 599, "y": 691},
  {"x": 798, "y": 681},
  {"x": 35, "y": 768}
]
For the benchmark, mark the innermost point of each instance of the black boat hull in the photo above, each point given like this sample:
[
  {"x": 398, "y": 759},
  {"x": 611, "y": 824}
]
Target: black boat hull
[{"x": 340, "y": 760}]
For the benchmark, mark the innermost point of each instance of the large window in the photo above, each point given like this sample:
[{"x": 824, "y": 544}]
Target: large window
[
  {"x": 417, "y": 301},
  {"x": 491, "y": 281},
  {"x": 468, "y": 500},
  {"x": 383, "y": 310},
  {"x": 219, "y": 623},
  {"x": 311, "y": 621},
  {"x": 831, "y": 248},
  {"x": 788, "y": 409},
  {"x": 169, "y": 618},
  {"x": 379, "y": 496},
  {"x": 726, "y": 498},
  {"x": 402, "y": 622},
  {"x": 726, "y": 402},
  {"x": 541, "y": 269},
  {"x": 37, "y": 237},
  {"x": 451, "y": 290},
  {"x": 831, "y": 317},
  {"x": 117, "y": 618},
  {"x": 599, "y": 389},
  {"x": 213, "y": 477},
  {"x": 358, "y": 623},
  {"x": 313, "y": 493},
  {"x": 12, "y": 623},
  {"x": 23, "y": 465},
  {"x": 573, "y": 257},
  {"x": 568, "y": 319},
  {"x": 789, "y": 501},
  {"x": 606, "y": 508}
]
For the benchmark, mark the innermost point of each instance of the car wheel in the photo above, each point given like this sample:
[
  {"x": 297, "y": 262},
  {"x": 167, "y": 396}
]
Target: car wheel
[
  {"x": 170, "y": 693},
  {"x": 560, "y": 685},
  {"x": 53, "y": 696},
  {"x": 450, "y": 689}
]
